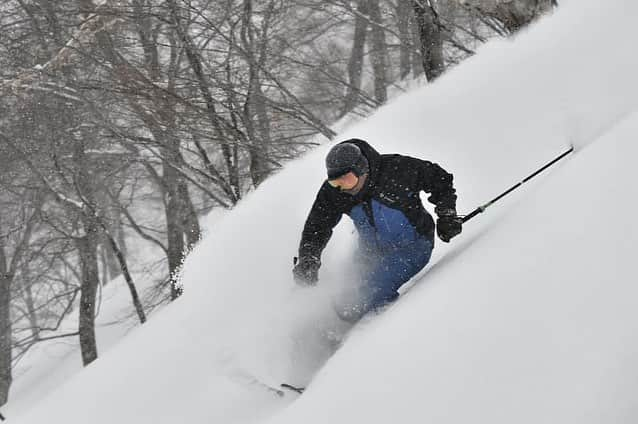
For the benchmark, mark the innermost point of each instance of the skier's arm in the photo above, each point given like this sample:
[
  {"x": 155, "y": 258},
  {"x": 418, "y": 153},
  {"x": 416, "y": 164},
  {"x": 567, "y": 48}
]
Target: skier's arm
[
  {"x": 323, "y": 217},
  {"x": 439, "y": 183}
]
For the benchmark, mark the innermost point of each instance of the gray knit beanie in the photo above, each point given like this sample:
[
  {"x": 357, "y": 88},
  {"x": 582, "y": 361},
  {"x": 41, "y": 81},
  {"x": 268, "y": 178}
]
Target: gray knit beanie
[{"x": 346, "y": 157}]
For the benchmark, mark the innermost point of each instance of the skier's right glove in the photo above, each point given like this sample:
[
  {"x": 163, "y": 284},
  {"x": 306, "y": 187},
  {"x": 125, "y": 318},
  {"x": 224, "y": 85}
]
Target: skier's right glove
[
  {"x": 448, "y": 225},
  {"x": 306, "y": 271}
]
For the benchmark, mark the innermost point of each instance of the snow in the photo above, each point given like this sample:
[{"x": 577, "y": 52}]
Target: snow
[
  {"x": 547, "y": 338},
  {"x": 48, "y": 363},
  {"x": 528, "y": 316}
]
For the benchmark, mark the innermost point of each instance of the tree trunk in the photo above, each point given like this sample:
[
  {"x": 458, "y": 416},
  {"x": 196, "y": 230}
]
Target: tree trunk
[
  {"x": 255, "y": 108},
  {"x": 403, "y": 12},
  {"x": 260, "y": 167},
  {"x": 104, "y": 268},
  {"x": 87, "y": 247},
  {"x": 147, "y": 38},
  {"x": 176, "y": 246},
  {"x": 174, "y": 215},
  {"x": 431, "y": 38},
  {"x": 174, "y": 232},
  {"x": 415, "y": 35},
  {"x": 379, "y": 53},
  {"x": 112, "y": 264},
  {"x": 30, "y": 304},
  {"x": 5, "y": 327},
  {"x": 190, "y": 222},
  {"x": 108, "y": 260},
  {"x": 139, "y": 309},
  {"x": 120, "y": 234},
  {"x": 355, "y": 64},
  {"x": 113, "y": 269}
]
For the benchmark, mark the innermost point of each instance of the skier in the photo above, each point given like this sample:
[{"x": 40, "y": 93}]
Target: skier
[{"x": 380, "y": 193}]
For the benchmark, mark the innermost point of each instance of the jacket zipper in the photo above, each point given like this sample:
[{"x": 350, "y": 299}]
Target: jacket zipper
[{"x": 367, "y": 208}]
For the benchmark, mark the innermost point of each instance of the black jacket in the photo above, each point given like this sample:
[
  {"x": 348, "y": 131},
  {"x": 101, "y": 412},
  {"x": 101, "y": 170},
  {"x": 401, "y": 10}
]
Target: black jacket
[{"x": 394, "y": 181}]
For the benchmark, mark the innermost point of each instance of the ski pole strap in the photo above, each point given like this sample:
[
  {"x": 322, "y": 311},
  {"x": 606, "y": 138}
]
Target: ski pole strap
[{"x": 482, "y": 209}]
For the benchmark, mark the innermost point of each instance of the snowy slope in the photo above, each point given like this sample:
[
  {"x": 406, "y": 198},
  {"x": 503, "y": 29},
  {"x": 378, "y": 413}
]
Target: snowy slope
[
  {"x": 526, "y": 317},
  {"x": 47, "y": 364},
  {"x": 534, "y": 322}
]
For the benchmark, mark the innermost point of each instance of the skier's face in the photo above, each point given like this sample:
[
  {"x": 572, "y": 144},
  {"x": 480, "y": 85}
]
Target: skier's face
[{"x": 345, "y": 182}]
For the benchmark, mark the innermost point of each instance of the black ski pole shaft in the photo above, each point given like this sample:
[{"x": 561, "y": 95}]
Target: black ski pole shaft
[{"x": 482, "y": 209}]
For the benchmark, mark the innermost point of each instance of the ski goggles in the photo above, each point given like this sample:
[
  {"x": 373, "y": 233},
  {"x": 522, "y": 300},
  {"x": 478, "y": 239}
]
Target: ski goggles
[{"x": 345, "y": 182}]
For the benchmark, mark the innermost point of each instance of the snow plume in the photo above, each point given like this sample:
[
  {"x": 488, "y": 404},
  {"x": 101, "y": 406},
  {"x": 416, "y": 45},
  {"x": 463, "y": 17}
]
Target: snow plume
[
  {"x": 283, "y": 339},
  {"x": 260, "y": 323},
  {"x": 600, "y": 68}
]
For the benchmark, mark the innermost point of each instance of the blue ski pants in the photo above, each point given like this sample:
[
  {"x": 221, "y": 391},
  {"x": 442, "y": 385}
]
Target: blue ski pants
[{"x": 381, "y": 275}]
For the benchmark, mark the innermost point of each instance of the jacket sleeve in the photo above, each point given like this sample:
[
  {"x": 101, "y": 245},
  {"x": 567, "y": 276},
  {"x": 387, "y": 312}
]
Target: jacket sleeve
[
  {"x": 438, "y": 182},
  {"x": 323, "y": 217}
]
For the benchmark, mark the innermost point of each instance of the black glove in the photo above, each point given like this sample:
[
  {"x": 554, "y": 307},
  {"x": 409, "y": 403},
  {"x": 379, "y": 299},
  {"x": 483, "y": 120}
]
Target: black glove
[
  {"x": 306, "y": 271},
  {"x": 448, "y": 225}
]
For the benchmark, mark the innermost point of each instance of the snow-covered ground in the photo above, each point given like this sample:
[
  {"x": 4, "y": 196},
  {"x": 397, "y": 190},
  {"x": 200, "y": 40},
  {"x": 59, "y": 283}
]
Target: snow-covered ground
[
  {"x": 528, "y": 316},
  {"x": 47, "y": 364}
]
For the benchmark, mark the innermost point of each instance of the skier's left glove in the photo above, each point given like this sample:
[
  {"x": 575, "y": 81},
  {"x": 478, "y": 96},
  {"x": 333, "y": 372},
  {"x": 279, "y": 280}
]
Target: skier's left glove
[
  {"x": 306, "y": 271},
  {"x": 449, "y": 225}
]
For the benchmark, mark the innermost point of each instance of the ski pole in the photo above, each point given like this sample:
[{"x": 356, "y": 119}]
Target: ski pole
[{"x": 482, "y": 209}]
